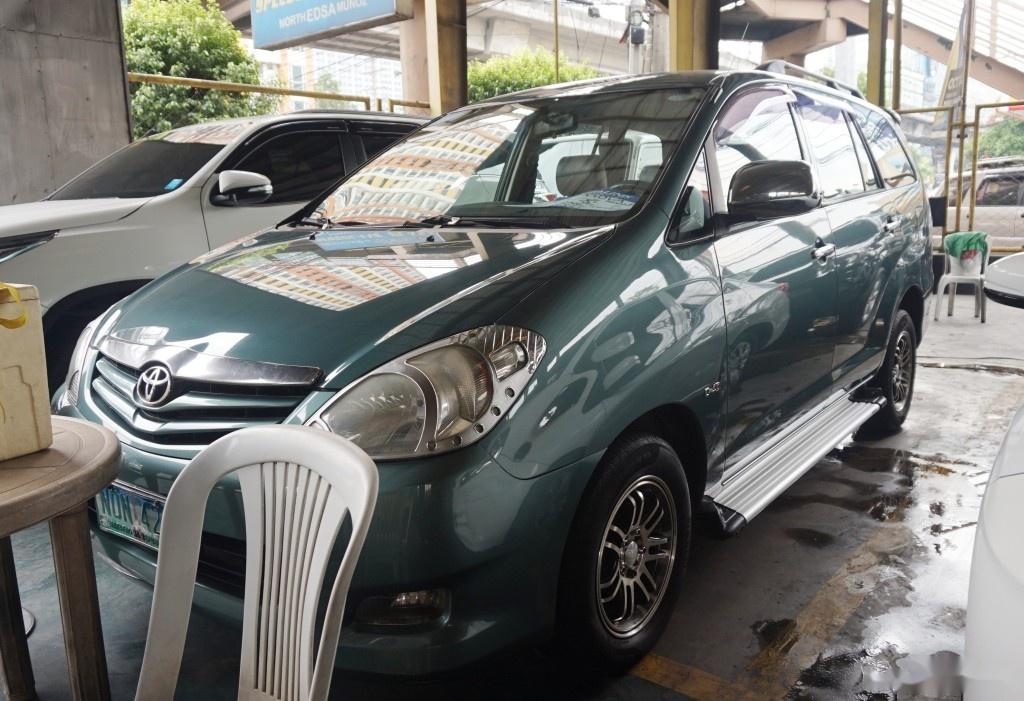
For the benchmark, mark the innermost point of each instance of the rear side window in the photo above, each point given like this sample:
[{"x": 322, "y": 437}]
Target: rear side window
[
  {"x": 300, "y": 165},
  {"x": 999, "y": 192},
  {"x": 831, "y": 145},
  {"x": 867, "y": 171},
  {"x": 758, "y": 126},
  {"x": 889, "y": 154}
]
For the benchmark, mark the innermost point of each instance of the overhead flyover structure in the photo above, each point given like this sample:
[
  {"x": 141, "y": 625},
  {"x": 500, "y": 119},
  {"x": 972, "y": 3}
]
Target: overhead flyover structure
[{"x": 791, "y": 29}]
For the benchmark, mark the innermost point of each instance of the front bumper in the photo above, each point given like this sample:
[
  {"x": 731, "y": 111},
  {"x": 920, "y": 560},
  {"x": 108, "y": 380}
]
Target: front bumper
[{"x": 458, "y": 522}]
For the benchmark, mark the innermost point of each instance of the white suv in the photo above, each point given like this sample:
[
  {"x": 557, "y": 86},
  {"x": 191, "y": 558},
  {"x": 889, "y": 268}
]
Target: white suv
[
  {"x": 998, "y": 202},
  {"x": 165, "y": 199}
]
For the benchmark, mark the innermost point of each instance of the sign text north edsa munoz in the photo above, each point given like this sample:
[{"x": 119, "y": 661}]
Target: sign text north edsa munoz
[{"x": 277, "y": 24}]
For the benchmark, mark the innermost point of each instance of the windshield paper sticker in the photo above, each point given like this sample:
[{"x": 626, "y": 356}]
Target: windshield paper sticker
[
  {"x": 599, "y": 200},
  {"x": 173, "y": 184}
]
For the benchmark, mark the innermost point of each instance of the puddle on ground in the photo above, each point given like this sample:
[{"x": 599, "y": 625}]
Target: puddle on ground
[
  {"x": 811, "y": 537},
  {"x": 833, "y": 677},
  {"x": 975, "y": 367},
  {"x": 916, "y": 584}
]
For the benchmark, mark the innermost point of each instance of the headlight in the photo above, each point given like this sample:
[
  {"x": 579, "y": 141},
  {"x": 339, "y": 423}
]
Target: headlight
[
  {"x": 438, "y": 398},
  {"x": 76, "y": 368},
  {"x": 12, "y": 246}
]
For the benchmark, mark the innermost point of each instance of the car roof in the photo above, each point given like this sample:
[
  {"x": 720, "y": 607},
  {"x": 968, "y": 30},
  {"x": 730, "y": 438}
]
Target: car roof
[
  {"x": 245, "y": 123},
  {"x": 682, "y": 79}
]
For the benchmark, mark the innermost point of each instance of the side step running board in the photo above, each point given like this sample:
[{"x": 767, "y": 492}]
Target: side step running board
[{"x": 771, "y": 472}]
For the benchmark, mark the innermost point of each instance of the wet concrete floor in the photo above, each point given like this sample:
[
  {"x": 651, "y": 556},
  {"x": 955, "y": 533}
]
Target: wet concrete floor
[{"x": 859, "y": 567}]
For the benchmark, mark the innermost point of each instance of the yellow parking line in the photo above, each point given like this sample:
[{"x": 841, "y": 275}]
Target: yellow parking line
[
  {"x": 776, "y": 668},
  {"x": 693, "y": 682}
]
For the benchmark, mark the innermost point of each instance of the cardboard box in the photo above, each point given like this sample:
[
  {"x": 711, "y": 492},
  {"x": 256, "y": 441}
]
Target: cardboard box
[{"x": 24, "y": 398}]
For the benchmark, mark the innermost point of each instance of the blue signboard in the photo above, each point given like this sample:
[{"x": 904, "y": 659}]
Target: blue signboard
[{"x": 280, "y": 23}]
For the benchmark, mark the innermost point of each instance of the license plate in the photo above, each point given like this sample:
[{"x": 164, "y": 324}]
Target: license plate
[{"x": 130, "y": 514}]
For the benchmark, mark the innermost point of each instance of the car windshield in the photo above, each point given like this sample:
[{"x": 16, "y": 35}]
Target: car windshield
[
  {"x": 560, "y": 161},
  {"x": 152, "y": 166}
]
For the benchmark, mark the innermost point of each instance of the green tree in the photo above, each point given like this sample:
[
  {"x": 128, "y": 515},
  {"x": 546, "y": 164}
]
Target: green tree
[
  {"x": 190, "y": 39},
  {"x": 524, "y": 69},
  {"x": 1003, "y": 139}
]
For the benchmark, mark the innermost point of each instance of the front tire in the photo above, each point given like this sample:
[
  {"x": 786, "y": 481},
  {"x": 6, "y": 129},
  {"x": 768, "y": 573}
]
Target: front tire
[
  {"x": 626, "y": 554},
  {"x": 895, "y": 379}
]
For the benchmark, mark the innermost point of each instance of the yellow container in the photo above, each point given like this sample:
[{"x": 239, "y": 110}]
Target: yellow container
[{"x": 24, "y": 400}]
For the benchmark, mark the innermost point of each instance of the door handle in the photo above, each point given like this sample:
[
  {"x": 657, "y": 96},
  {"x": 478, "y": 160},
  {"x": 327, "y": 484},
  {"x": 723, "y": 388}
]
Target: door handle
[
  {"x": 893, "y": 223},
  {"x": 823, "y": 251}
]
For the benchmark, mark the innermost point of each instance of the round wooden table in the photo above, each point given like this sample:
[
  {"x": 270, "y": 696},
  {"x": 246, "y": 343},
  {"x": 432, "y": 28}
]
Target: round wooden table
[{"x": 55, "y": 485}]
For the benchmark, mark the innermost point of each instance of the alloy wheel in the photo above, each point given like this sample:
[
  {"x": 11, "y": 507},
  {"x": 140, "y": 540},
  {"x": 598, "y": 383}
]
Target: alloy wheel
[
  {"x": 637, "y": 555},
  {"x": 902, "y": 370}
]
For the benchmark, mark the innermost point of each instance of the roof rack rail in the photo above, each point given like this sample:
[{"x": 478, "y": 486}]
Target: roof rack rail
[{"x": 787, "y": 68}]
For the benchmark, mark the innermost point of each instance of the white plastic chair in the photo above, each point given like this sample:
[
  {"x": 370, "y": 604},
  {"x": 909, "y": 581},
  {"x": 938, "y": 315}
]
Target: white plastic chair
[
  {"x": 956, "y": 271},
  {"x": 297, "y": 486}
]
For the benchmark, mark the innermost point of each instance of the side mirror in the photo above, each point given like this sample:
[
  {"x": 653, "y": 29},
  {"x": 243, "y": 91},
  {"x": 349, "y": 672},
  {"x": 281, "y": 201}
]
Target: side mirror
[
  {"x": 770, "y": 189},
  {"x": 241, "y": 187}
]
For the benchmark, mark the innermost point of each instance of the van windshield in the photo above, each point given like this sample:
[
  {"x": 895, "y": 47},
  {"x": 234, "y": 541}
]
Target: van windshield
[
  {"x": 154, "y": 165},
  {"x": 560, "y": 161}
]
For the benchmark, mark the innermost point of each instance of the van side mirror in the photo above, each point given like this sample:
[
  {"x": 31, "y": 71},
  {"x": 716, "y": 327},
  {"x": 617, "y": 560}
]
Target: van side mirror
[
  {"x": 770, "y": 189},
  {"x": 241, "y": 187}
]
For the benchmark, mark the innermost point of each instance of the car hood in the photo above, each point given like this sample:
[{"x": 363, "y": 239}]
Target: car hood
[
  {"x": 346, "y": 301},
  {"x": 53, "y": 215}
]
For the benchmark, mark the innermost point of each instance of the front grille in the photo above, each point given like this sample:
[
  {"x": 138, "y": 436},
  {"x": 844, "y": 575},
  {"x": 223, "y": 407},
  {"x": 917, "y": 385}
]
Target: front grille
[{"x": 197, "y": 412}]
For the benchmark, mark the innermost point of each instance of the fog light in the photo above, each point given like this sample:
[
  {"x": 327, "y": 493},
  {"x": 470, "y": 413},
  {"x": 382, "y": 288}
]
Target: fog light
[{"x": 406, "y": 612}]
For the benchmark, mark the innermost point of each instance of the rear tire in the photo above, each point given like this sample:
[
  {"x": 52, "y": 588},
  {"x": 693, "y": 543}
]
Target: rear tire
[
  {"x": 624, "y": 560},
  {"x": 895, "y": 379}
]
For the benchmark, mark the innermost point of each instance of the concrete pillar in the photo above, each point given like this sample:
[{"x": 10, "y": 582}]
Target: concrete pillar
[
  {"x": 446, "y": 54},
  {"x": 693, "y": 34},
  {"x": 878, "y": 28},
  {"x": 412, "y": 48},
  {"x": 659, "y": 42},
  {"x": 63, "y": 93},
  {"x": 432, "y": 47}
]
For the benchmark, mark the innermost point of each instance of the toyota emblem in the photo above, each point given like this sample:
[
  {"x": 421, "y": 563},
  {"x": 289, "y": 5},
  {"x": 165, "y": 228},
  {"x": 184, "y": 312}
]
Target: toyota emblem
[{"x": 154, "y": 386}]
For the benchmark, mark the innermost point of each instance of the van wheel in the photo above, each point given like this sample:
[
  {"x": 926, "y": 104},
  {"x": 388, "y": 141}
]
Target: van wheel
[
  {"x": 895, "y": 379},
  {"x": 626, "y": 553}
]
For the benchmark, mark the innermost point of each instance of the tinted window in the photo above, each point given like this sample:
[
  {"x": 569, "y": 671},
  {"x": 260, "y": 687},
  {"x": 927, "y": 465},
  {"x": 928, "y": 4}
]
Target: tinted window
[
  {"x": 830, "y": 142},
  {"x": 999, "y": 192},
  {"x": 300, "y": 165},
  {"x": 145, "y": 168},
  {"x": 892, "y": 160},
  {"x": 758, "y": 126}
]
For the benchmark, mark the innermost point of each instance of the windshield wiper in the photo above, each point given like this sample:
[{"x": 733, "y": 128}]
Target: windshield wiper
[
  {"x": 446, "y": 220},
  {"x": 328, "y": 223}
]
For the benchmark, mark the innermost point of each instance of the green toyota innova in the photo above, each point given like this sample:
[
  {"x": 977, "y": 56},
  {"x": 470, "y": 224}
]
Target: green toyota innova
[{"x": 561, "y": 322}]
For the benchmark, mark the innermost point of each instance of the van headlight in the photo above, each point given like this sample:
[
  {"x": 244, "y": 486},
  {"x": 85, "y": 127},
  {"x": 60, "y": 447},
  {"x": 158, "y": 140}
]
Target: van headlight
[
  {"x": 443, "y": 396},
  {"x": 98, "y": 327},
  {"x": 76, "y": 368}
]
